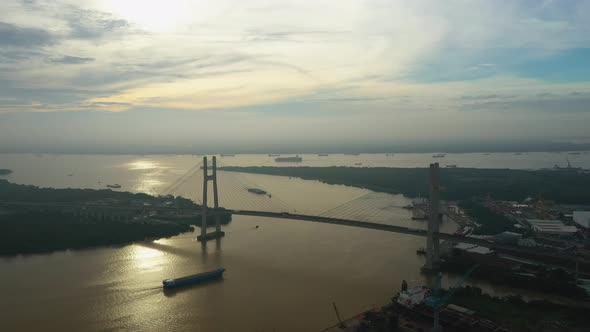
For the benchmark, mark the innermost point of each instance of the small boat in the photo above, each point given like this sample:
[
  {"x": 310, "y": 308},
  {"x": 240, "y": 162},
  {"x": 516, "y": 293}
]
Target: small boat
[
  {"x": 114, "y": 186},
  {"x": 358, "y": 164},
  {"x": 575, "y": 153},
  {"x": 451, "y": 166},
  {"x": 439, "y": 155},
  {"x": 273, "y": 155},
  {"x": 193, "y": 279},
  {"x": 323, "y": 154}
]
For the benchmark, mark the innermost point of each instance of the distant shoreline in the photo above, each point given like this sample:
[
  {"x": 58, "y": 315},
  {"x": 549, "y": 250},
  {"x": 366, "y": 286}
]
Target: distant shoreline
[
  {"x": 586, "y": 150},
  {"x": 563, "y": 187}
]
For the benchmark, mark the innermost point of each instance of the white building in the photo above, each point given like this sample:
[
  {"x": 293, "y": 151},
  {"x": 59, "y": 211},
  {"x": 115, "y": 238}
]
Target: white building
[
  {"x": 582, "y": 218},
  {"x": 551, "y": 227}
]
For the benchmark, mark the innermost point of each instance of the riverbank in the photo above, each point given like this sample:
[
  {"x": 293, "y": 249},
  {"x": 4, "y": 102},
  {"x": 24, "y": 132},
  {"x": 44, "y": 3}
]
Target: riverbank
[
  {"x": 519, "y": 315},
  {"x": 565, "y": 187},
  {"x": 42, "y": 220},
  {"x": 469, "y": 309}
]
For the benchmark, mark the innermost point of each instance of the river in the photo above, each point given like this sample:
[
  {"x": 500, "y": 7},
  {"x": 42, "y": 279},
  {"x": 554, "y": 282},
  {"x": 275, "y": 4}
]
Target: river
[{"x": 282, "y": 276}]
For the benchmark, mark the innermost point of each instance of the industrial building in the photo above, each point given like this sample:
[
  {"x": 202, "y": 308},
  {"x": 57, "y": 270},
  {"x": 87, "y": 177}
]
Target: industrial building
[
  {"x": 551, "y": 227},
  {"x": 582, "y": 218}
]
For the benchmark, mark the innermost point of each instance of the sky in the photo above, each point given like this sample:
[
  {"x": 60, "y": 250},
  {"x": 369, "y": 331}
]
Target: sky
[{"x": 250, "y": 74}]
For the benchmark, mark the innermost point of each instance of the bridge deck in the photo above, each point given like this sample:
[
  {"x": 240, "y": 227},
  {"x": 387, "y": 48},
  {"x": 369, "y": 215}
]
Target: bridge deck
[
  {"x": 417, "y": 232},
  {"x": 335, "y": 221}
]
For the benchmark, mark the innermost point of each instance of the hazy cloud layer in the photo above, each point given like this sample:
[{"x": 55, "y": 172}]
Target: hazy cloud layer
[{"x": 396, "y": 67}]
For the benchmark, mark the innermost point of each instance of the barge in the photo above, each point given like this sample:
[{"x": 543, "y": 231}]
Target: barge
[{"x": 193, "y": 279}]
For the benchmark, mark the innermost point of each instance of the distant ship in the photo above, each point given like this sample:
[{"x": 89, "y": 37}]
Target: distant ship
[
  {"x": 114, "y": 186},
  {"x": 257, "y": 191},
  {"x": 486, "y": 154},
  {"x": 295, "y": 159},
  {"x": 389, "y": 154},
  {"x": 273, "y": 155},
  {"x": 451, "y": 166},
  {"x": 193, "y": 279},
  {"x": 323, "y": 154},
  {"x": 352, "y": 154},
  {"x": 439, "y": 155},
  {"x": 358, "y": 164},
  {"x": 575, "y": 153},
  {"x": 228, "y": 155}
]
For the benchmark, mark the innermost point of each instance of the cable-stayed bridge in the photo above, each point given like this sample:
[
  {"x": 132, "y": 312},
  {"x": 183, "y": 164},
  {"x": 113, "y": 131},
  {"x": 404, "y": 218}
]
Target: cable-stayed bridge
[{"x": 237, "y": 194}]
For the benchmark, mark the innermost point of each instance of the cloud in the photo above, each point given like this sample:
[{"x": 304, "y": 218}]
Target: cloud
[
  {"x": 92, "y": 24},
  {"x": 369, "y": 62},
  {"x": 541, "y": 103},
  {"x": 72, "y": 60},
  {"x": 17, "y": 36},
  {"x": 481, "y": 97}
]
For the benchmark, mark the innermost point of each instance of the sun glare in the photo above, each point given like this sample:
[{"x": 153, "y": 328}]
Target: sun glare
[
  {"x": 140, "y": 165},
  {"x": 153, "y": 15}
]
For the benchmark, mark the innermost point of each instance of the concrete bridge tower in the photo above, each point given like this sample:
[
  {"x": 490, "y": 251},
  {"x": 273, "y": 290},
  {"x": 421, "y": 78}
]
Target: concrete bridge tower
[
  {"x": 206, "y": 178},
  {"x": 432, "y": 240}
]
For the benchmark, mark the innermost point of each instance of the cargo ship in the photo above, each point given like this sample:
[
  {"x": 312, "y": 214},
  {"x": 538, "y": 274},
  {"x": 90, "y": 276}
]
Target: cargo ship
[
  {"x": 193, "y": 279},
  {"x": 257, "y": 191},
  {"x": 295, "y": 159}
]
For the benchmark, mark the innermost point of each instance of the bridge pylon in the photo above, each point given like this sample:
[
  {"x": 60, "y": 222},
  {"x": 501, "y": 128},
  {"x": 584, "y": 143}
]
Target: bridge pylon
[
  {"x": 206, "y": 178},
  {"x": 432, "y": 239}
]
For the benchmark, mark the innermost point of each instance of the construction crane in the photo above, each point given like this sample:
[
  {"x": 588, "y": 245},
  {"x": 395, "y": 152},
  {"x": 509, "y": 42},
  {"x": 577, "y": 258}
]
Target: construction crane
[{"x": 436, "y": 301}]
